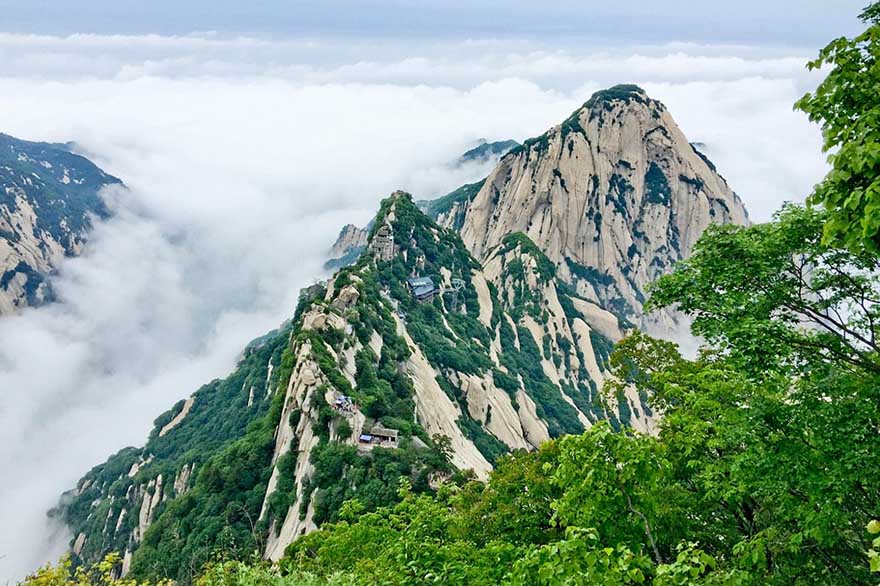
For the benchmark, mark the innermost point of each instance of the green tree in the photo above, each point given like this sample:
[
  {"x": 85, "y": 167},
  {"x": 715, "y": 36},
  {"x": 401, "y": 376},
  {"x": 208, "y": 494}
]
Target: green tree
[
  {"x": 773, "y": 428},
  {"x": 777, "y": 294},
  {"x": 580, "y": 558},
  {"x": 515, "y": 506},
  {"x": 621, "y": 492},
  {"x": 847, "y": 106}
]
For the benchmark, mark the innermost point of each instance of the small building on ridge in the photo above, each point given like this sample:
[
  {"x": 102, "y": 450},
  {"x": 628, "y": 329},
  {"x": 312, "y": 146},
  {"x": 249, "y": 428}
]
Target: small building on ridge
[{"x": 422, "y": 288}]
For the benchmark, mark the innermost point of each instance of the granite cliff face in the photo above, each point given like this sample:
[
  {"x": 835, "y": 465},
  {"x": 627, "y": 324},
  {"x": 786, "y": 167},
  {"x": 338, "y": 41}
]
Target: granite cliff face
[
  {"x": 614, "y": 195},
  {"x": 48, "y": 198},
  {"x": 350, "y": 238}
]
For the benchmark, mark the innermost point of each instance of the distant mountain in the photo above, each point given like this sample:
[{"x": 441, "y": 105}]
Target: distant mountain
[
  {"x": 350, "y": 242},
  {"x": 486, "y": 151},
  {"x": 348, "y": 247},
  {"x": 48, "y": 199}
]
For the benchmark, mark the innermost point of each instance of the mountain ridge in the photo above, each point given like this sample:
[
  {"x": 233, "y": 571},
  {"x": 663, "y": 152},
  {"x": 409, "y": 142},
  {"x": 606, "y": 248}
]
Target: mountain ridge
[
  {"x": 663, "y": 199},
  {"x": 48, "y": 200},
  {"x": 455, "y": 377},
  {"x": 444, "y": 354}
]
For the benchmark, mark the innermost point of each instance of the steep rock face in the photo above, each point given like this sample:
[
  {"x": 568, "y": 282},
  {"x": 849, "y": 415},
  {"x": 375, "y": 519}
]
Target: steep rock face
[
  {"x": 48, "y": 197},
  {"x": 373, "y": 380},
  {"x": 351, "y": 237},
  {"x": 614, "y": 195}
]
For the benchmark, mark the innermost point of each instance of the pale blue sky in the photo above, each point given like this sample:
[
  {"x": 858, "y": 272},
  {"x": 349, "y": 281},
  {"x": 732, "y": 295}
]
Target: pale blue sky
[{"x": 805, "y": 23}]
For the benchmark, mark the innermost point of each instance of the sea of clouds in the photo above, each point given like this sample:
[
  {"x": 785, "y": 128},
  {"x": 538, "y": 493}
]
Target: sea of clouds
[{"x": 244, "y": 157}]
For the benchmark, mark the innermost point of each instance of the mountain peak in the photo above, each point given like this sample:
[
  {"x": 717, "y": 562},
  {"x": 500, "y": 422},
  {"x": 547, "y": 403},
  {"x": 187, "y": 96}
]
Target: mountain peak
[
  {"x": 625, "y": 93},
  {"x": 388, "y": 210},
  {"x": 617, "y": 102},
  {"x": 614, "y": 196}
]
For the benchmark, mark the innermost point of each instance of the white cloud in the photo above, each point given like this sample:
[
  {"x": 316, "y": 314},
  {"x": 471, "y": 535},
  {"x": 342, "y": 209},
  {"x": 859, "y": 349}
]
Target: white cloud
[
  {"x": 327, "y": 60},
  {"x": 245, "y": 157}
]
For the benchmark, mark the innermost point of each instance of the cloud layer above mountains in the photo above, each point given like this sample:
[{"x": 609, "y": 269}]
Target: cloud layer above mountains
[{"x": 245, "y": 156}]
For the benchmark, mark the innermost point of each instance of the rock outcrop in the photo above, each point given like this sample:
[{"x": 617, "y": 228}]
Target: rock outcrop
[
  {"x": 348, "y": 246},
  {"x": 48, "y": 200}
]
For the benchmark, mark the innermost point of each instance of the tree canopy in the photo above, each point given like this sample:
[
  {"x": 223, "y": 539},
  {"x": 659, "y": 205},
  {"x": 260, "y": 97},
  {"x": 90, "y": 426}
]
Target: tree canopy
[{"x": 847, "y": 106}]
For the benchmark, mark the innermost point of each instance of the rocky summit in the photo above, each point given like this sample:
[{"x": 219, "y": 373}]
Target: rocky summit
[{"x": 614, "y": 196}]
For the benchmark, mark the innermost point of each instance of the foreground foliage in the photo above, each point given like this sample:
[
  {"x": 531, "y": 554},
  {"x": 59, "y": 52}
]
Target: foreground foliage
[
  {"x": 847, "y": 106},
  {"x": 103, "y": 573}
]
